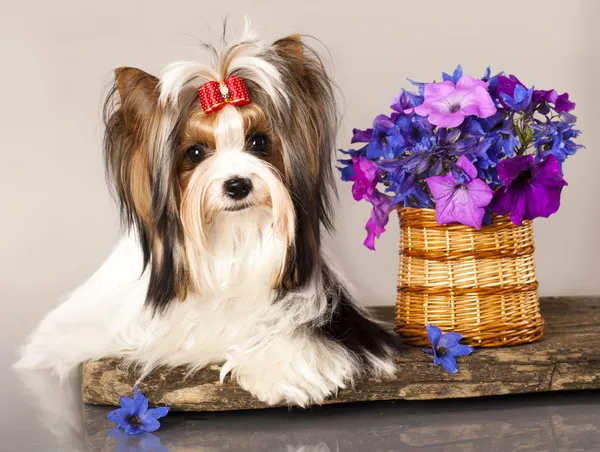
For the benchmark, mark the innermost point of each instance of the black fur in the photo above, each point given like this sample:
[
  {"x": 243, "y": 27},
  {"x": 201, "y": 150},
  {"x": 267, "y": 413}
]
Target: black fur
[{"x": 350, "y": 327}]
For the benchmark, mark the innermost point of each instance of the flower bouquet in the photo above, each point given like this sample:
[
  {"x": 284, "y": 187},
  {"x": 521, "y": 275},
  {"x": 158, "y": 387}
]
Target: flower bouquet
[{"x": 467, "y": 163}]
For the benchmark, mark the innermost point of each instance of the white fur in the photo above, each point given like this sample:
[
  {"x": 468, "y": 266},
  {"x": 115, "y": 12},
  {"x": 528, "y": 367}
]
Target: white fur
[{"x": 259, "y": 340}]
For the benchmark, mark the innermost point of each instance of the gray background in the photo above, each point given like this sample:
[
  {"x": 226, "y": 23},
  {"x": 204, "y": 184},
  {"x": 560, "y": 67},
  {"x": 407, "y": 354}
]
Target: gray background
[{"x": 58, "y": 221}]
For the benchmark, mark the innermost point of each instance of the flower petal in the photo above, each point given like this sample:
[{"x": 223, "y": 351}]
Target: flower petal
[
  {"x": 459, "y": 206},
  {"x": 485, "y": 103},
  {"x": 434, "y": 334},
  {"x": 509, "y": 169},
  {"x": 563, "y": 104},
  {"x": 459, "y": 350},
  {"x": 447, "y": 120},
  {"x": 134, "y": 431},
  {"x": 441, "y": 89},
  {"x": 127, "y": 404},
  {"x": 140, "y": 404},
  {"x": 449, "y": 363},
  {"x": 149, "y": 424},
  {"x": 519, "y": 207},
  {"x": 465, "y": 164},
  {"x": 480, "y": 193},
  {"x": 449, "y": 340},
  {"x": 118, "y": 417},
  {"x": 383, "y": 121},
  {"x": 441, "y": 187},
  {"x": 362, "y": 136},
  {"x": 468, "y": 82},
  {"x": 158, "y": 412}
]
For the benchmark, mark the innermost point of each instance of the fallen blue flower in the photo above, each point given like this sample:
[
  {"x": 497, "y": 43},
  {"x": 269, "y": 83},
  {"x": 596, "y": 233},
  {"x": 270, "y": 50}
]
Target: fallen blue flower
[
  {"x": 134, "y": 416},
  {"x": 445, "y": 348}
]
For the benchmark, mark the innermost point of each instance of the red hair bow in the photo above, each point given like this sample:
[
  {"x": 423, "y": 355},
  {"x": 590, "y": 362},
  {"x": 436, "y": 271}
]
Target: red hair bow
[{"x": 215, "y": 95}]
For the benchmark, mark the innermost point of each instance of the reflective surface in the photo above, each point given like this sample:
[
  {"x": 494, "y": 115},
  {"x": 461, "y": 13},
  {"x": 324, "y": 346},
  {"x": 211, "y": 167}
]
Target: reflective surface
[{"x": 41, "y": 414}]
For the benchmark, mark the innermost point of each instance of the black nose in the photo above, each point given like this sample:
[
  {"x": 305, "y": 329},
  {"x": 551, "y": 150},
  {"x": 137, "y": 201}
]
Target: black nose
[{"x": 238, "y": 187}]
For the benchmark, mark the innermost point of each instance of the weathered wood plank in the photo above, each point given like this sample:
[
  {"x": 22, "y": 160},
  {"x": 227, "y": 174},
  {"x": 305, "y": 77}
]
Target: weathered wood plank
[{"x": 567, "y": 358}]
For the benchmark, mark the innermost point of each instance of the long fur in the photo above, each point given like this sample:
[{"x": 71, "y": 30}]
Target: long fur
[{"x": 201, "y": 278}]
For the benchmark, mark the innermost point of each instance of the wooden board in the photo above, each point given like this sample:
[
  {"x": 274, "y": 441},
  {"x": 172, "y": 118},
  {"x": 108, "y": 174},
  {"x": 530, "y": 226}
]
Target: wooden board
[{"x": 567, "y": 358}]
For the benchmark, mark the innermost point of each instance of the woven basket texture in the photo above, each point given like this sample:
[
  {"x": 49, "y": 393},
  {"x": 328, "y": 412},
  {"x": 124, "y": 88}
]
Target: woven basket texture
[{"x": 480, "y": 283}]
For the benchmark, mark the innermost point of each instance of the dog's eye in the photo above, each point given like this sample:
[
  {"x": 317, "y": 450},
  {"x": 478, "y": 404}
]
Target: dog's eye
[
  {"x": 195, "y": 154},
  {"x": 258, "y": 145}
]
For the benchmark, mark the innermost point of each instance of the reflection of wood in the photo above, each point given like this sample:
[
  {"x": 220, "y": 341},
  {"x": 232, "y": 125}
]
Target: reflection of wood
[{"x": 568, "y": 357}]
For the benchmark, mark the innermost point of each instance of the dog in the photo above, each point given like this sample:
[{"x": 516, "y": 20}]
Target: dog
[{"x": 224, "y": 177}]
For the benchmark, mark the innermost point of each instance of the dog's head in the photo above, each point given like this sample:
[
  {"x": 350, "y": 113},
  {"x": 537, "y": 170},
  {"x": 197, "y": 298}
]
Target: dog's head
[{"x": 176, "y": 168}]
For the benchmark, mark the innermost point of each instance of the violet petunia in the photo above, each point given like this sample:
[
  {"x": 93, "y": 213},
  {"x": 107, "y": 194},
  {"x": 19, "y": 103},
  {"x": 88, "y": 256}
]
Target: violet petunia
[
  {"x": 365, "y": 178},
  {"x": 531, "y": 189},
  {"x": 382, "y": 206},
  {"x": 361, "y": 136},
  {"x": 447, "y": 104},
  {"x": 561, "y": 103},
  {"x": 463, "y": 201}
]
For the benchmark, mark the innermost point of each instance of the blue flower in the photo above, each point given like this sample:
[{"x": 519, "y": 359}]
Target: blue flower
[
  {"x": 146, "y": 442},
  {"x": 445, "y": 348},
  {"x": 386, "y": 139},
  {"x": 458, "y": 73},
  {"x": 555, "y": 138},
  {"x": 519, "y": 99},
  {"x": 135, "y": 417}
]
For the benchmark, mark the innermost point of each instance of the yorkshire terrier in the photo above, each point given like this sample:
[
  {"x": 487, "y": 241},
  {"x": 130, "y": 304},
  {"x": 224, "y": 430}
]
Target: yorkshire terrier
[{"x": 224, "y": 177}]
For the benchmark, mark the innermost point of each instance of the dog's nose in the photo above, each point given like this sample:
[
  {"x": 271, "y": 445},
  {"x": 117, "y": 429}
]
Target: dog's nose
[{"x": 238, "y": 187}]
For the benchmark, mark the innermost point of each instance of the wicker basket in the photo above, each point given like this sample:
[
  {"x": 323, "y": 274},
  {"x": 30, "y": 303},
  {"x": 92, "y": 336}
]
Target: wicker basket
[{"x": 481, "y": 284}]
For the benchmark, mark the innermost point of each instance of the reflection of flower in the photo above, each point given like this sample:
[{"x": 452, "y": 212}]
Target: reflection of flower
[
  {"x": 462, "y": 201},
  {"x": 530, "y": 189},
  {"x": 146, "y": 442},
  {"x": 445, "y": 348},
  {"x": 135, "y": 417},
  {"x": 447, "y": 104}
]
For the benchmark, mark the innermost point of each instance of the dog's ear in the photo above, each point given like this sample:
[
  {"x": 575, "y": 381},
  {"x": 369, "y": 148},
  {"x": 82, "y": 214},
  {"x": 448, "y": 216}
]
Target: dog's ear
[
  {"x": 139, "y": 94},
  {"x": 308, "y": 142},
  {"x": 128, "y": 111},
  {"x": 144, "y": 188},
  {"x": 292, "y": 49}
]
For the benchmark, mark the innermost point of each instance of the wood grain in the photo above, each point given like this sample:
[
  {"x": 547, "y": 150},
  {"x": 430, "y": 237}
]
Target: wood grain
[{"x": 567, "y": 358}]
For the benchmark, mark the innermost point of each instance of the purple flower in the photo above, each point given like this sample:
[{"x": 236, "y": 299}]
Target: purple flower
[
  {"x": 530, "y": 189},
  {"x": 462, "y": 201},
  {"x": 445, "y": 348},
  {"x": 382, "y": 206},
  {"x": 561, "y": 103},
  {"x": 361, "y": 136},
  {"x": 512, "y": 93},
  {"x": 135, "y": 417},
  {"x": 404, "y": 102},
  {"x": 364, "y": 179},
  {"x": 447, "y": 104}
]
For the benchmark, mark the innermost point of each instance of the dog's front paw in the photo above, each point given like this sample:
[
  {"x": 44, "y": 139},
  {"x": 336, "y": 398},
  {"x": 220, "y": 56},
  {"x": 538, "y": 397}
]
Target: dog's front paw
[
  {"x": 278, "y": 388},
  {"x": 294, "y": 372}
]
